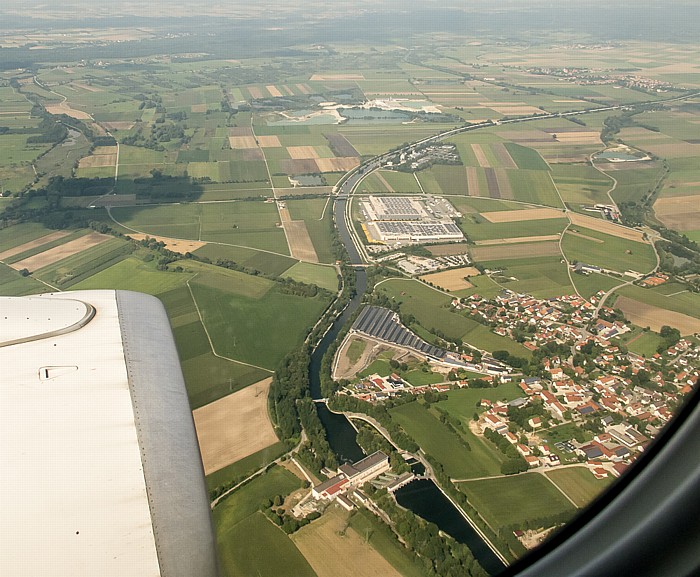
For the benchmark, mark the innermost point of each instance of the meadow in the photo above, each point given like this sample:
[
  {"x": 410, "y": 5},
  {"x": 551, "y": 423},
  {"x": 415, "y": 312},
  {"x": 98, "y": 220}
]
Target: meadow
[{"x": 579, "y": 484}]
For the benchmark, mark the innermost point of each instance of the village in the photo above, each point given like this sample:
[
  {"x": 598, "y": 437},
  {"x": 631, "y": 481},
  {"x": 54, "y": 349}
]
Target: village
[{"x": 614, "y": 400}]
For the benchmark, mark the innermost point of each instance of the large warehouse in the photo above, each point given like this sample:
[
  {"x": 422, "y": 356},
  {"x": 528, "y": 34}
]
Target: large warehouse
[{"x": 101, "y": 471}]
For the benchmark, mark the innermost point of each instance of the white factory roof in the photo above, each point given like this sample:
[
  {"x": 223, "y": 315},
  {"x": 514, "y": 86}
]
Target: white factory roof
[{"x": 89, "y": 478}]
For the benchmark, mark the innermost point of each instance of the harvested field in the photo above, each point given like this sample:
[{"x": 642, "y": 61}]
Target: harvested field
[
  {"x": 578, "y": 137},
  {"x": 269, "y": 141},
  {"x": 340, "y": 145},
  {"x": 452, "y": 280},
  {"x": 605, "y": 226},
  {"x": 645, "y": 315},
  {"x": 322, "y": 77},
  {"x": 504, "y": 187},
  {"x": 300, "y": 245},
  {"x": 679, "y": 212},
  {"x": 174, "y": 244},
  {"x": 337, "y": 164},
  {"x": 63, "y": 108},
  {"x": 332, "y": 549},
  {"x": 234, "y": 427},
  {"x": 255, "y": 92},
  {"x": 517, "y": 240},
  {"x": 306, "y": 166},
  {"x": 447, "y": 249},
  {"x": 33, "y": 244},
  {"x": 53, "y": 255},
  {"x": 198, "y": 108},
  {"x": 274, "y": 91},
  {"x": 521, "y": 215},
  {"x": 480, "y": 156},
  {"x": 304, "y": 89},
  {"x": 242, "y": 142},
  {"x": 302, "y": 152},
  {"x": 101, "y": 156},
  {"x": 503, "y": 155},
  {"x": 515, "y": 110},
  {"x": 119, "y": 125},
  {"x": 580, "y": 235},
  {"x": 87, "y": 87},
  {"x": 250, "y": 154},
  {"x": 519, "y": 250},
  {"x": 473, "y": 182}
]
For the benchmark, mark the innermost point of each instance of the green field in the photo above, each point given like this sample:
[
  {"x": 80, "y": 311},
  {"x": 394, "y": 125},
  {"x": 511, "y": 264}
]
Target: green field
[
  {"x": 245, "y": 466},
  {"x": 323, "y": 276},
  {"x": 265, "y": 262},
  {"x": 255, "y": 330},
  {"x": 438, "y": 441},
  {"x": 237, "y": 521},
  {"x": 581, "y": 184},
  {"x": 478, "y": 228},
  {"x": 579, "y": 484},
  {"x": 508, "y": 501},
  {"x": 20, "y": 234},
  {"x": 526, "y": 158},
  {"x": 534, "y": 186},
  {"x": 14, "y": 284},
  {"x": 543, "y": 277},
  {"x": 589, "y": 284},
  {"x": 687, "y": 303},
  {"x": 612, "y": 253},
  {"x": 317, "y": 213}
]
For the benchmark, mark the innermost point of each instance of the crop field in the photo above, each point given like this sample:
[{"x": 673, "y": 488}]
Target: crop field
[
  {"x": 613, "y": 253},
  {"x": 590, "y": 284},
  {"x": 679, "y": 212},
  {"x": 477, "y": 228},
  {"x": 606, "y": 227},
  {"x": 534, "y": 186},
  {"x": 443, "y": 444},
  {"x": 521, "y": 215},
  {"x": 245, "y": 466},
  {"x": 322, "y": 276},
  {"x": 234, "y": 427},
  {"x": 514, "y": 251},
  {"x": 646, "y": 315},
  {"x": 253, "y": 330},
  {"x": 265, "y": 262},
  {"x": 514, "y": 500},
  {"x": 578, "y": 483},
  {"x": 580, "y": 184},
  {"x": 37, "y": 243},
  {"x": 333, "y": 549},
  {"x": 452, "y": 280},
  {"x": 14, "y": 284},
  {"x": 543, "y": 277},
  {"x": 82, "y": 264}
]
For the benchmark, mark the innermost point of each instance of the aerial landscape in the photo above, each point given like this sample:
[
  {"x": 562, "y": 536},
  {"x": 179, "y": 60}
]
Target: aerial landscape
[{"x": 433, "y": 273}]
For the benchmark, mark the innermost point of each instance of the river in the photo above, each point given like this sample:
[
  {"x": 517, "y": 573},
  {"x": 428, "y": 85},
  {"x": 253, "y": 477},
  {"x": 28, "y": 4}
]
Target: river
[{"x": 422, "y": 497}]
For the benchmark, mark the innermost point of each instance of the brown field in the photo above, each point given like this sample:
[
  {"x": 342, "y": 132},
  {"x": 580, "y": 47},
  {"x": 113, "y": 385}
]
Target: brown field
[
  {"x": 521, "y": 215},
  {"x": 578, "y": 234},
  {"x": 301, "y": 166},
  {"x": 342, "y": 164},
  {"x": 87, "y": 87},
  {"x": 504, "y": 186},
  {"x": 33, "y": 244},
  {"x": 198, "y": 108},
  {"x": 335, "y": 550},
  {"x": 679, "y": 150},
  {"x": 234, "y": 427},
  {"x": 447, "y": 249},
  {"x": 480, "y": 156},
  {"x": 302, "y": 152},
  {"x": 679, "y": 212},
  {"x": 503, "y": 155},
  {"x": 473, "y": 182},
  {"x": 517, "y": 240},
  {"x": 321, "y": 77},
  {"x": 174, "y": 244},
  {"x": 119, "y": 125},
  {"x": 304, "y": 89},
  {"x": 515, "y": 110},
  {"x": 242, "y": 142},
  {"x": 57, "y": 253},
  {"x": 255, "y": 92},
  {"x": 63, "y": 108},
  {"x": 605, "y": 226},
  {"x": 300, "y": 245},
  {"x": 274, "y": 91},
  {"x": 578, "y": 137},
  {"x": 101, "y": 156},
  {"x": 269, "y": 141},
  {"x": 287, "y": 90},
  {"x": 452, "y": 280},
  {"x": 645, "y": 315},
  {"x": 520, "y": 250},
  {"x": 248, "y": 154}
]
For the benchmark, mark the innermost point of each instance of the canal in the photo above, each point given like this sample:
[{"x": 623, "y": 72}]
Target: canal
[{"x": 422, "y": 497}]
